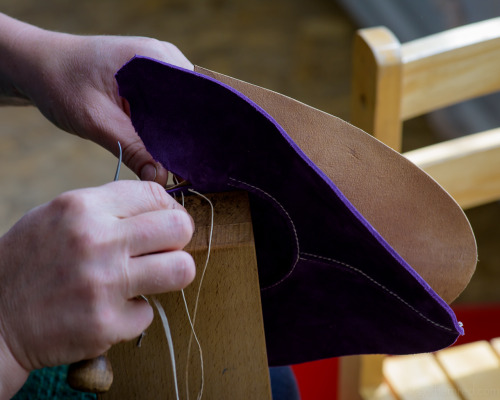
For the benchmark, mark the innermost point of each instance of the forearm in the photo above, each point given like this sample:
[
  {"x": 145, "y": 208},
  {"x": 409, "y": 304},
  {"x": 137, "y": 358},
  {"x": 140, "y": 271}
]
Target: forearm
[{"x": 16, "y": 50}]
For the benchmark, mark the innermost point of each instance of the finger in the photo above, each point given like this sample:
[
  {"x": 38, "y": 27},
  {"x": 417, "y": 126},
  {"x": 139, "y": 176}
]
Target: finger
[
  {"x": 125, "y": 199},
  {"x": 117, "y": 126},
  {"x": 157, "y": 231},
  {"x": 135, "y": 318},
  {"x": 160, "y": 273},
  {"x": 138, "y": 159}
]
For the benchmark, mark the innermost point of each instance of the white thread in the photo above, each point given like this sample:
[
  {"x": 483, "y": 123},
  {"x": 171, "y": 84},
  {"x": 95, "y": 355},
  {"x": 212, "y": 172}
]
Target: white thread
[
  {"x": 200, "y": 393},
  {"x": 380, "y": 285},
  {"x": 168, "y": 334},
  {"x": 193, "y": 320},
  {"x": 293, "y": 228},
  {"x": 176, "y": 182},
  {"x": 332, "y": 260}
]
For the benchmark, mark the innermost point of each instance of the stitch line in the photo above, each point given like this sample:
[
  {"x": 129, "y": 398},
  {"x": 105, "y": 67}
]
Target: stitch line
[
  {"x": 381, "y": 286},
  {"x": 291, "y": 222}
]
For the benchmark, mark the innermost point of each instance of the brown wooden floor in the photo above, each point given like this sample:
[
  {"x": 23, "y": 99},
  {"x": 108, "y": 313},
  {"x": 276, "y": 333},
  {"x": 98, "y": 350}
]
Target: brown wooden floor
[{"x": 297, "y": 47}]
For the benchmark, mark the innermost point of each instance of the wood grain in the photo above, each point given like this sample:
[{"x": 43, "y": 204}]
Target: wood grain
[
  {"x": 475, "y": 157},
  {"x": 474, "y": 369},
  {"x": 418, "y": 376},
  {"x": 450, "y": 67},
  {"x": 393, "y": 82},
  {"x": 376, "y": 85},
  {"x": 228, "y": 323},
  {"x": 427, "y": 74}
]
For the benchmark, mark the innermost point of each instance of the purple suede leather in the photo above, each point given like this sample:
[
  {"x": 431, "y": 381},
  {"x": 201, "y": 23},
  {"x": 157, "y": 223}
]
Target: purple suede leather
[{"x": 330, "y": 284}]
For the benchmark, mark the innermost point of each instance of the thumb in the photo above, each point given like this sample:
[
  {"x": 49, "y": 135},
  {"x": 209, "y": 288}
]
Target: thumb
[{"x": 134, "y": 153}]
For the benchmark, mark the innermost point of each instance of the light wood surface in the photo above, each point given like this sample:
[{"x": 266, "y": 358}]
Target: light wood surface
[
  {"x": 495, "y": 343},
  {"x": 228, "y": 324},
  {"x": 465, "y": 372},
  {"x": 418, "y": 377},
  {"x": 450, "y": 67},
  {"x": 474, "y": 369},
  {"x": 376, "y": 85},
  {"x": 476, "y": 158}
]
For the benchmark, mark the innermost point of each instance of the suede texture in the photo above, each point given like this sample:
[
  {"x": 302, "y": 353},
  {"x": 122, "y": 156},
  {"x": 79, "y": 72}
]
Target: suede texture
[{"x": 330, "y": 284}]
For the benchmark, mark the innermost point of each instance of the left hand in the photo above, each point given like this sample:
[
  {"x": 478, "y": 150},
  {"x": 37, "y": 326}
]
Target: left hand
[{"x": 71, "y": 80}]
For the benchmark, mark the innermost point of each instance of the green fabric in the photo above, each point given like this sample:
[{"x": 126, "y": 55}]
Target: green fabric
[{"x": 50, "y": 383}]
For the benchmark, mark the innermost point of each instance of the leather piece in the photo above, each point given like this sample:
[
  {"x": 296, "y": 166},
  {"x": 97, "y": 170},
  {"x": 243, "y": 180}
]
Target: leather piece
[
  {"x": 331, "y": 285},
  {"x": 406, "y": 206}
]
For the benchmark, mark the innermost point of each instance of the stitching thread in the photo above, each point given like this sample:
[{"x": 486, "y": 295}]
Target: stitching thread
[
  {"x": 332, "y": 260},
  {"x": 291, "y": 222},
  {"x": 381, "y": 286}
]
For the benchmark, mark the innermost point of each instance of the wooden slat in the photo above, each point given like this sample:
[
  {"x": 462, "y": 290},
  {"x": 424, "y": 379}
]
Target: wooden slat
[
  {"x": 350, "y": 384},
  {"x": 361, "y": 378},
  {"x": 376, "y": 85},
  {"x": 229, "y": 319},
  {"x": 450, "y": 67},
  {"x": 372, "y": 377},
  {"x": 495, "y": 343},
  {"x": 381, "y": 392},
  {"x": 417, "y": 377},
  {"x": 476, "y": 157},
  {"x": 474, "y": 369}
]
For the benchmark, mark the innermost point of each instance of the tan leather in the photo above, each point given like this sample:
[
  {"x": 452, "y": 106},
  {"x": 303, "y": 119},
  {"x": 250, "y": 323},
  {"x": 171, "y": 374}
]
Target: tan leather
[{"x": 407, "y": 207}]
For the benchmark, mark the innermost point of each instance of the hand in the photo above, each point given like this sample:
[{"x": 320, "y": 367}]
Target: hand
[
  {"x": 71, "y": 271},
  {"x": 71, "y": 80}
]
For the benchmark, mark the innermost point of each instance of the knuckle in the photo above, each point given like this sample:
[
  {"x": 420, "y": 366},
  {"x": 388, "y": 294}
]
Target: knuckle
[
  {"x": 157, "y": 196},
  {"x": 68, "y": 204},
  {"x": 145, "y": 41},
  {"x": 70, "y": 219},
  {"x": 175, "y": 274},
  {"x": 99, "y": 321},
  {"x": 94, "y": 299},
  {"x": 142, "y": 45},
  {"x": 187, "y": 264},
  {"x": 81, "y": 242},
  {"x": 182, "y": 225},
  {"x": 182, "y": 271}
]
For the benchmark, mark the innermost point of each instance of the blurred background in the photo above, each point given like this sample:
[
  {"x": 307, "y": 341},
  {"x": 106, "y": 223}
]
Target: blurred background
[{"x": 301, "y": 48}]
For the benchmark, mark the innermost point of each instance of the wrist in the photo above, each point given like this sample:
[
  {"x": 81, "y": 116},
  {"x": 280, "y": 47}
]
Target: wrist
[
  {"x": 19, "y": 46},
  {"x": 12, "y": 374}
]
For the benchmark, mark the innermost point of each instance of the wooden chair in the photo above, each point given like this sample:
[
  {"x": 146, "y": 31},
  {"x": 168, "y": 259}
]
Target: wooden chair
[
  {"x": 393, "y": 82},
  {"x": 468, "y": 371}
]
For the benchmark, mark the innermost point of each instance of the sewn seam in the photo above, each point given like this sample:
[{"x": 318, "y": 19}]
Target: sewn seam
[
  {"x": 381, "y": 286},
  {"x": 291, "y": 222}
]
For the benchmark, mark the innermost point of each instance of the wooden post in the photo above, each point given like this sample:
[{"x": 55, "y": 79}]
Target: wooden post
[
  {"x": 228, "y": 322},
  {"x": 376, "y": 85}
]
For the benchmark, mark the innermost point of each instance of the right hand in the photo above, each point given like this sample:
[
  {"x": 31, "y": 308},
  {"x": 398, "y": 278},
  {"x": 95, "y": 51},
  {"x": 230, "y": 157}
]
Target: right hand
[{"x": 71, "y": 271}]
